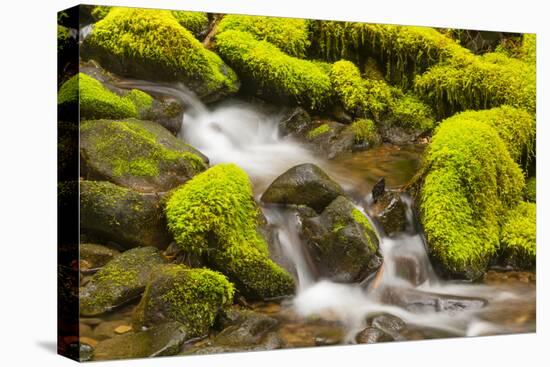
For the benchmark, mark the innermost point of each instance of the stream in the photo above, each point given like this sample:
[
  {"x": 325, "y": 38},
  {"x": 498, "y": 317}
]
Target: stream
[{"x": 324, "y": 312}]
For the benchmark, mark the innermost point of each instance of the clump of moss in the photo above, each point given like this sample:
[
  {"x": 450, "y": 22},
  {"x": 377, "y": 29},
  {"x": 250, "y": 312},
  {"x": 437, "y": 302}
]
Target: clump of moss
[
  {"x": 94, "y": 101},
  {"x": 194, "y": 21},
  {"x": 365, "y": 131},
  {"x": 101, "y": 11},
  {"x": 273, "y": 73},
  {"x": 192, "y": 297},
  {"x": 138, "y": 154},
  {"x": 409, "y": 111},
  {"x": 63, "y": 38},
  {"x": 214, "y": 215},
  {"x": 530, "y": 192},
  {"x": 151, "y": 44},
  {"x": 318, "y": 131},
  {"x": 529, "y": 48},
  {"x": 480, "y": 82},
  {"x": 367, "y": 226},
  {"x": 469, "y": 182},
  {"x": 288, "y": 34},
  {"x": 363, "y": 97},
  {"x": 519, "y": 237}
]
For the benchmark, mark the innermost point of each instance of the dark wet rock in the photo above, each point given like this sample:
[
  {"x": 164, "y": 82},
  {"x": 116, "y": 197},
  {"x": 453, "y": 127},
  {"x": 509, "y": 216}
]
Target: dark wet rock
[
  {"x": 398, "y": 135},
  {"x": 96, "y": 255},
  {"x": 244, "y": 328},
  {"x": 141, "y": 155},
  {"x": 295, "y": 122},
  {"x": 372, "y": 335},
  {"x": 341, "y": 242},
  {"x": 340, "y": 114},
  {"x": 161, "y": 340},
  {"x": 122, "y": 215},
  {"x": 391, "y": 324},
  {"x": 426, "y": 302},
  {"x": 192, "y": 297},
  {"x": 176, "y": 255},
  {"x": 168, "y": 112},
  {"x": 123, "y": 279},
  {"x": 271, "y": 341},
  {"x": 409, "y": 268},
  {"x": 379, "y": 189},
  {"x": 305, "y": 184},
  {"x": 330, "y": 138},
  {"x": 390, "y": 211}
]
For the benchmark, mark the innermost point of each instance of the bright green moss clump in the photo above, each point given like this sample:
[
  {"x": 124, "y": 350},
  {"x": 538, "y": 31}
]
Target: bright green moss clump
[
  {"x": 95, "y": 101},
  {"x": 288, "y": 34},
  {"x": 273, "y": 73},
  {"x": 409, "y": 111},
  {"x": 63, "y": 38},
  {"x": 99, "y": 12},
  {"x": 192, "y": 297},
  {"x": 529, "y": 48},
  {"x": 151, "y": 44},
  {"x": 363, "y": 97},
  {"x": 214, "y": 215},
  {"x": 365, "y": 131},
  {"x": 530, "y": 192},
  {"x": 480, "y": 82},
  {"x": 194, "y": 21},
  {"x": 318, "y": 131},
  {"x": 519, "y": 237},
  {"x": 469, "y": 182}
]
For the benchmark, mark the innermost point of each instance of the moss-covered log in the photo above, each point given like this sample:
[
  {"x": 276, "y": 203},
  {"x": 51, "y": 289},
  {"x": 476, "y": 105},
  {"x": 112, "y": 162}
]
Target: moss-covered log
[{"x": 519, "y": 237}]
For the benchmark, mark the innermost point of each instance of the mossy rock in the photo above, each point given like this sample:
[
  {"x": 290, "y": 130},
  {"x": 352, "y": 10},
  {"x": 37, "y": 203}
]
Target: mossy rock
[
  {"x": 290, "y": 35},
  {"x": 96, "y": 255},
  {"x": 152, "y": 45},
  {"x": 342, "y": 243},
  {"x": 365, "y": 132},
  {"x": 159, "y": 340},
  {"x": 272, "y": 74},
  {"x": 192, "y": 297},
  {"x": 195, "y": 22},
  {"x": 469, "y": 181},
  {"x": 127, "y": 217},
  {"x": 305, "y": 184},
  {"x": 140, "y": 155},
  {"x": 214, "y": 215},
  {"x": 295, "y": 122},
  {"x": 122, "y": 280},
  {"x": 92, "y": 100},
  {"x": 518, "y": 237}
]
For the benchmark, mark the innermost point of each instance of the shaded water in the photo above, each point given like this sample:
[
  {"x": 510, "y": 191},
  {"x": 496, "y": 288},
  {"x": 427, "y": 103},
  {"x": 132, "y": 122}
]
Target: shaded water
[{"x": 247, "y": 134}]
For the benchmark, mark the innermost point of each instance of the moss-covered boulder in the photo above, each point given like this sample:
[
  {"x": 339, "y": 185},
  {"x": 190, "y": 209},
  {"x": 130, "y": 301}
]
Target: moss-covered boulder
[
  {"x": 122, "y": 280},
  {"x": 121, "y": 215},
  {"x": 141, "y": 155},
  {"x": 214, "y": 215},
  {"x": 469, "y": 181},
  {"x": 152, "y": 45},
  {"x": 365, "y": 133},
  {"x": 195, "y": 22},
  {"x": 192, "y": 297},
  {"x": 272, "y": 74},
  {"x": 518, "y": 237},
  {"x": 290, "y": 35},
  {"x": 341, "y": 242},
  {"x": 95, "y": 256},
  {"x": 92, "y": 100},
  {"x": 530, "y": 192},
  {"x": 304, "y": 184},
  {"x": 157, "y": 341}
]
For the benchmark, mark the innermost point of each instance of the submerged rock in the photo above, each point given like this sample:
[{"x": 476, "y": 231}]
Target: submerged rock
[
  {"x": 244, "y": 328},
  {"x": 122, "y": 280},
  {"x": 140, "y": 155},
  {"x": 124, "y": 216},
  {"x": 371, "y": 335},
  {"x": 192, "y": 297},
  {"x": 305, "y": 184},
  {"x": 214, "y": 215},
  {"x": 161, "y": 340},
  {"x": 341, "y": 242}
]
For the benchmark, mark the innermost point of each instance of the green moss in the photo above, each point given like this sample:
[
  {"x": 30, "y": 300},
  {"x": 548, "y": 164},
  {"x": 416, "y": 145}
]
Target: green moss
[
  {"x": 274, "y": 73},
  {"x": 519, "y": 237},
  {"x": 529, "y": 48},
  {"x": 194, "y": 21},
  {"x": 152, "y": 44},
  {"x": 318, "y": 131},
  {"x": 364, "y": 222},
  {"x": 469, "y": 181},
  {"x": 214, "y": 214},
  {"x": 192, "y": 297},
  {"x": 95, "y": 101},
  {"x": 364, "y": 97},
  {"x": 101, "y": 11},
  {"x": 410, "y": 111},
  {"x": 289, "y": 34},
  {"x": 365, "y": 131},
  {"x": 130, "y": 149},
  {"x": 479, "y": 82},
  {"x": 63, "y": 38},
  {"x": 530, "y": 192}
]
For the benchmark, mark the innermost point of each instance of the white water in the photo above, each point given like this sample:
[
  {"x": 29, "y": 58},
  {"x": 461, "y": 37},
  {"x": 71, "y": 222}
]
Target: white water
[{"x": 247, "y": 134}]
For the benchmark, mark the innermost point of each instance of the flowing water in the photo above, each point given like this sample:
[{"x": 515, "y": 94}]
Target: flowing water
[{"x": 247, "y": 134}]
